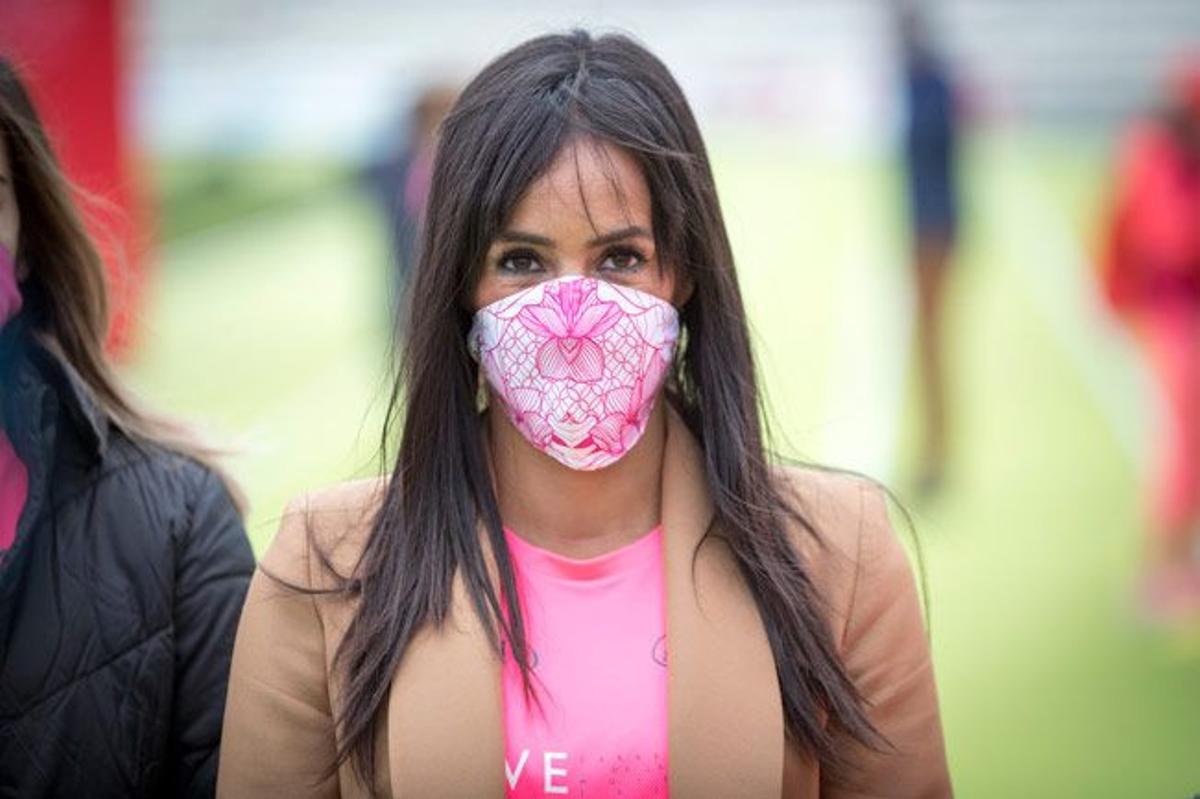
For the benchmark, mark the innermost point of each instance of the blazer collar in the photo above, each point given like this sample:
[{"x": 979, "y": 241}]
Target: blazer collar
[{"x": 445, "y": 720}]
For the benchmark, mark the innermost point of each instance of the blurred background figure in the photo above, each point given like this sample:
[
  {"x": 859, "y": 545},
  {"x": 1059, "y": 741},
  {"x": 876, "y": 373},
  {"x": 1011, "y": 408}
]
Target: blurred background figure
[
  {"x": 399, "y": 181},
  {"x": 930, "y": 153},
  {"x": 1152, "y": 280}
]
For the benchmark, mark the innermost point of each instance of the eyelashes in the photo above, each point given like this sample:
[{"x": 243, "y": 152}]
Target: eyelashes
[
  {"x": 623, "y": 258},
  {"x": 632, "y": 258},
  {"x": 519, "y": 262}
]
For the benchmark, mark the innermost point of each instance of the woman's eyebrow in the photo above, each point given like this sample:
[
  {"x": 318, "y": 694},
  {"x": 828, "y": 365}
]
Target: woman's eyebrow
[
  {"x": 524, "y": 238},
  {"x": 606, "y": 238},
  {"x": 617, "y": 235}
]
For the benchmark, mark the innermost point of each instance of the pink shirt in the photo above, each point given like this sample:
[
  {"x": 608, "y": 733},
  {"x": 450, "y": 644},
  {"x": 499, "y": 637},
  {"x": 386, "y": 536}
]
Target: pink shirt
[
  {"x": 14, "y": 485},
  {"x": 597, "y": 628}
]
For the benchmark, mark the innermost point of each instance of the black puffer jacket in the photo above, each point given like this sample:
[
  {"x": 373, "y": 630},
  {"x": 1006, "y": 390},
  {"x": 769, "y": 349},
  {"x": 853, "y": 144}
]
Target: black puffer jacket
[{"x": 119, "y": 600}]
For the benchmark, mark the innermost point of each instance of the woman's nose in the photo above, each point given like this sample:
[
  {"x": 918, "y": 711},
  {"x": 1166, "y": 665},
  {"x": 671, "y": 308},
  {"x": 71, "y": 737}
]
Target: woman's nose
[{"x": 572, "y": 267}]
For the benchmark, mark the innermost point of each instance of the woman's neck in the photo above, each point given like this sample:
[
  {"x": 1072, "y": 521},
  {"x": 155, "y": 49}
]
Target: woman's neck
[{"x": 575, "y": 513}]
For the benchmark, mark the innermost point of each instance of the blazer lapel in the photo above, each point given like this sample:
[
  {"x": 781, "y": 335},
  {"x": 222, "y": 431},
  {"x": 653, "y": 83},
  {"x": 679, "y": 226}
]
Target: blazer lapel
[
  {"x": 445, "y": 720},
  {"x": 725, "y": 714}
]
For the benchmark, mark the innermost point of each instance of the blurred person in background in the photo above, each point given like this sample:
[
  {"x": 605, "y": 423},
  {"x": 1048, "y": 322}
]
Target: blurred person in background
[
  {"x": 1152, "y": 280},
  {"x": 582, "y": 508},
  {"x": 399, "y": 182},
  {"x": 123, "y": 559},
  {"x": 930, "y": 154}
]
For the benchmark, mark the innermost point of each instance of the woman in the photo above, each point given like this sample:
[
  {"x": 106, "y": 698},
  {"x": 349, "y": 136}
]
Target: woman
[
  {"x": 505, "y": 614},
  {"x": 1152, "y": 280},
  {"x": 123, "y": 560}
]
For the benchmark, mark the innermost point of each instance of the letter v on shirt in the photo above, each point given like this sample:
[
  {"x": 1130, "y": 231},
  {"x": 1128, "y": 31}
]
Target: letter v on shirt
[{"x": 596, "y": 629}]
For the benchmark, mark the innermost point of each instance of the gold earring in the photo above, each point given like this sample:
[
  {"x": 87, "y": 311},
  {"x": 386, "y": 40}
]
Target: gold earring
[{"x": 481, "y": 392}]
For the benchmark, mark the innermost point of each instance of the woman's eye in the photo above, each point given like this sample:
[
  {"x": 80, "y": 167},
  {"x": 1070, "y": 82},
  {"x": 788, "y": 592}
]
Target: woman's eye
[
  {"x": 622, "y": 260},
  {"x": 519, "y": 262}
]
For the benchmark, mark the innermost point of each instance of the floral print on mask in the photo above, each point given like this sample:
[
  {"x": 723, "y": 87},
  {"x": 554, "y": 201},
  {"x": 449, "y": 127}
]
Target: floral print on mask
[{"x": 577, "y": 364}]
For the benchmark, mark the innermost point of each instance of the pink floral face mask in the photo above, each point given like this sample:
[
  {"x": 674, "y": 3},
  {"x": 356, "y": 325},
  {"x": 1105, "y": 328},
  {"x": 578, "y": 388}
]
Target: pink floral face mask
[
  {"x": 10, "y": 293},
  {"x": 577, "y": 363}
]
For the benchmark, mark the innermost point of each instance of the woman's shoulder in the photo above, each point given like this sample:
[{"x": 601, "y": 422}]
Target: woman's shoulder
[
  {"x": 846, "y": 540},
  {"x": 865, "y": 582},
  {"x": 170, "y": 490},
  {"x": 149, "y": 462},
  {"x": 841, "y": 505},
  {"x": 322, "y": 533}
]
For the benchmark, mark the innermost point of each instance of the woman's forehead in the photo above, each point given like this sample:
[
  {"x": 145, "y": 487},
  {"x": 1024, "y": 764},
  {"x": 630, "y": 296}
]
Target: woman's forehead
[{"x": 590, "y": 186}]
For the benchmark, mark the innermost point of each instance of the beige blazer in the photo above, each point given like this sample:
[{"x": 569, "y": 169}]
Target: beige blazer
[{"x": 442, "y": 734}]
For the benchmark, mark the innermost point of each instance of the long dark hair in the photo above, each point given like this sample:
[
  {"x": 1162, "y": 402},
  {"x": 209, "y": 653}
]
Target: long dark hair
[{"x": 503, "y": 133}]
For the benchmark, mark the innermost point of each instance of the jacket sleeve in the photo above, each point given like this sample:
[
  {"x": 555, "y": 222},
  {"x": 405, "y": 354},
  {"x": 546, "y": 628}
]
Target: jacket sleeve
[
  {"x": 886, "y": 652},
  {"x": 279, "y": 731},
  {"x": 212, "y": 569}
]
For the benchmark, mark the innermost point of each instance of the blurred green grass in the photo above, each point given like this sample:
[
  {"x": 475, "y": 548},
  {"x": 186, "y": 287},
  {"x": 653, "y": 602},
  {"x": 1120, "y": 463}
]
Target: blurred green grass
[
  {"x": 272, "y": 329},
  {"x": 271, "y": 332},
  {"x": 197, "y": 194}
]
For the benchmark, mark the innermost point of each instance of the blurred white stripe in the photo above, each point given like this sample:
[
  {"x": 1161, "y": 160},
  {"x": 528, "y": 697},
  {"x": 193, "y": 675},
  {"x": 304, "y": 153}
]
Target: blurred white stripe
[
  {"x": 1054, "y": 268},
  {"x": 870, "y": 359}
]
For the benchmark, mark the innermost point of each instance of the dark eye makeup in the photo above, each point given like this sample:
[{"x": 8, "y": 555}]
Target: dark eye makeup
[
  {"x": 620, "y": 259},
  {"x": 623, "y": 259},
  {"x": 519, "y": 262}
]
